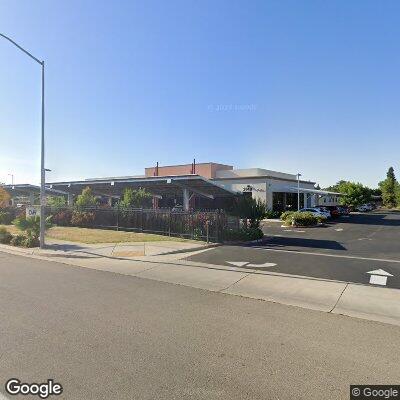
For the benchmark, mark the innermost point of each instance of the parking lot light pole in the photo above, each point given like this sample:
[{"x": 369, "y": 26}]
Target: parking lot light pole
[
  {"x": 298, "y": 192},
  {"x": 12, "y": 178},
  {"x": 42, "y": 169}
]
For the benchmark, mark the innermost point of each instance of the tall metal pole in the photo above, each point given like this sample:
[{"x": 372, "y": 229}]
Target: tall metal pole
[
  {"x": 42, "y": 167},
  {"x": 42, "y": 176},
  {"x": 298, "y": 192}
]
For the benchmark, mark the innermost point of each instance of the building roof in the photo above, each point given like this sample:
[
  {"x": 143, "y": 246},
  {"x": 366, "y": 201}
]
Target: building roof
[
  {"x": 159, "y": 186},
  {"x": 27, "y": 189}
]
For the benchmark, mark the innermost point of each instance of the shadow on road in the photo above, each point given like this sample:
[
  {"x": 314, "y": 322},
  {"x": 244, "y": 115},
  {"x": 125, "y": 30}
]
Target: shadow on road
[
  {"x": 388, "y": 218},
  {"x": 301, "y": 242}
]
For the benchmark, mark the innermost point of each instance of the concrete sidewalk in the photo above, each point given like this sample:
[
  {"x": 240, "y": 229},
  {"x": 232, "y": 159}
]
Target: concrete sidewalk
[{"x": 356, "y": 300}]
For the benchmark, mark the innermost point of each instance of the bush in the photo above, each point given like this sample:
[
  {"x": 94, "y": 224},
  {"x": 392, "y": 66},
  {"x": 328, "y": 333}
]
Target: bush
[
  {"x": 5, "y": 236},
  {"x": 6, "y": 217},
  {"x": 272, "y": 214},
  {"x": 304, "y": 219},
  {"x": 287, "y": 215},
  {"x": 31, "y": 241},
  {"x": 244, "y": 234},
  {"x": 62, "y": 218},
  {"x": 250, "y": 210},
  {"x": 82, "y": 218},
  {"x": 18, "y": 240}
]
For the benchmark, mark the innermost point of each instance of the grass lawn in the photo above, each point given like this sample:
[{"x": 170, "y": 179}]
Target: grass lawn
[{"x": 93, "y": 236}]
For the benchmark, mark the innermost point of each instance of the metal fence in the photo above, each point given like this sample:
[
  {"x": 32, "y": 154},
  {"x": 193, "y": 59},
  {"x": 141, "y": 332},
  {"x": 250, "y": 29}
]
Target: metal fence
[{"x": 200, "y": 225}]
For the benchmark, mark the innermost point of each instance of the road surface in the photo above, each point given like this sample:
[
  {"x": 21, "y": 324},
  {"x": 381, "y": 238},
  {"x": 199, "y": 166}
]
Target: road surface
[
  {"x": 104, "y": 335},
  {"x": 346, "y": 250}
]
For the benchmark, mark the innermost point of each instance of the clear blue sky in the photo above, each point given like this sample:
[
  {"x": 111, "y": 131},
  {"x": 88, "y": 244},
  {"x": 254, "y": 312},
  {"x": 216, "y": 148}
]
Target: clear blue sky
[{"x": 309, "y": 86}]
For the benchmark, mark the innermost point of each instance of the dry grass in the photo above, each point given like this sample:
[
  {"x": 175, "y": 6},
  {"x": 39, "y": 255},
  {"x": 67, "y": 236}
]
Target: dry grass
[
  {"x": 11, "y": 228},
  {"x": 94, "y": 236}
]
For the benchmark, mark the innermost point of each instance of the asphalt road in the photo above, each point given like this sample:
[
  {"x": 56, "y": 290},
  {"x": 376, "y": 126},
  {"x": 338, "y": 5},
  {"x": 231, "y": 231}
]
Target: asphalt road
[
  {"x": 108, "y": 336},
  {"x": 344, "y": 250}
]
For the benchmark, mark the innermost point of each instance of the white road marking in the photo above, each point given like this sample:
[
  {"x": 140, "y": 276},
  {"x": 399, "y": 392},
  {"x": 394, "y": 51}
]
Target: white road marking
[
  {"x": 262, "y": 265},
  {"x": 238, "y": 263},
  {"x": 328, "y": 255},
  {"x": 378, "y": 277},
  {"x": 338, "y": 229},
  {"x": 293, "y": 230},
  {"x": 247, "y": 263}
]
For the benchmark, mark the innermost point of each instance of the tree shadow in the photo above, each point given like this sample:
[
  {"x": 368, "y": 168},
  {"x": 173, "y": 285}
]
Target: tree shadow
[
  {"x": 389, "y": 218},
  {"x": 281, "y": 241}
]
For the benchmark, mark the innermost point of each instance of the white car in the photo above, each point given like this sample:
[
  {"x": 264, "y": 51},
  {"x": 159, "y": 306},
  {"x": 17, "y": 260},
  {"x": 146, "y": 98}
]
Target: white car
[
  {"x": 317, "y": 212},
  {"x": 364, "y": 208}
]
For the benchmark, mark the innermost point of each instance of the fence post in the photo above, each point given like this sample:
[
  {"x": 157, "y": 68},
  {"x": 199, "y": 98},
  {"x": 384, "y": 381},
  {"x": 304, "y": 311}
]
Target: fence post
[
  {"x": 141, "y": 219},
  {"x": 117, "y": 216},
  {"x": 169, "y": 223},
  {"x": 207, "y": 230}
]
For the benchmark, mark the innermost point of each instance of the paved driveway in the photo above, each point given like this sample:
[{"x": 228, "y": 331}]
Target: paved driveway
[{"x": 345, "y": 250}]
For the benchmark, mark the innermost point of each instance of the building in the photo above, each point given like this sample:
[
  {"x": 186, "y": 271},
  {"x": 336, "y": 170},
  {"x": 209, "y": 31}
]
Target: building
[{"x": 205, "y": 186}]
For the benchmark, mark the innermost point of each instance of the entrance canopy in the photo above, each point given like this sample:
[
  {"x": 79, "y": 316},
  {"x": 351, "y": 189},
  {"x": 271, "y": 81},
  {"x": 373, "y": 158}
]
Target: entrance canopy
[
  {"x": 294, "y": 189},
  {"x": 157, "y": 186},
  {"x": 313, "y": 191}
]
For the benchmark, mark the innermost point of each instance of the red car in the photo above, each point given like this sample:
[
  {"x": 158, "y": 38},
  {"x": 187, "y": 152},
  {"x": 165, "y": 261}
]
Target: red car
[{"x": 334, "y": 210}]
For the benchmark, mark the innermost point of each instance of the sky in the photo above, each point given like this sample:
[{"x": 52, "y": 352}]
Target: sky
[{"x": 293, "y": 86}]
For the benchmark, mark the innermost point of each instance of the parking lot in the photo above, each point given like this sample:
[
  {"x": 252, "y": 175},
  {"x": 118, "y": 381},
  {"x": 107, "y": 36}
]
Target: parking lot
[{"x": 345, "y": 249}]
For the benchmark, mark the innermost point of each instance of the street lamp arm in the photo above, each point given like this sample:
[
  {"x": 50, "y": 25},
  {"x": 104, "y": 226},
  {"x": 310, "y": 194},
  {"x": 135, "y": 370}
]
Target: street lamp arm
[{"x": 22, "y": 49}]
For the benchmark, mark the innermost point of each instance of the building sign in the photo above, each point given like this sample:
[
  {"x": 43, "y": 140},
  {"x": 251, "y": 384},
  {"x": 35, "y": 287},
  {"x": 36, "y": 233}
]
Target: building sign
[
  {"x": 32, "y": 211},
  {"x": 249, "y": 189}
]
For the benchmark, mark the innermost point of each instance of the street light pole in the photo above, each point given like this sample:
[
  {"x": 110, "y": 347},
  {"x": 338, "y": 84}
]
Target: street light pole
[
  {"x": 298, "y": 192},
  {"x": 42, "y": 167},
  {"x": 12, "y": 178}
]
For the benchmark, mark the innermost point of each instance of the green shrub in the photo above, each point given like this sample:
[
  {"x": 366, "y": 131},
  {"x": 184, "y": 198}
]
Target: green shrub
[
  {"x": 286, "y": 215},
  {"x": 252, "y": 211},
  {"x": 31, "y": 241},
  {"x": 82, "y": 218},
  {"x": 6, "y": 217},
  {"x": 30, "y": 225},
  {"x": 301, "y": 218},
  {"x": 5, "y": 236},
  {"x": 304, "y": 219},
  {"x": 272, "y": 214},
  {"x": 18, "y": 240}
]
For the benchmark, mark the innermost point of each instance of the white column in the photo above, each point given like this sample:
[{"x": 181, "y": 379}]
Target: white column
[
  {"x": 305, "y": 200},
  {"x": 70, "y": 199},
  {"x": 31, "y": 199},
  {"x": 186, "y": 199}
]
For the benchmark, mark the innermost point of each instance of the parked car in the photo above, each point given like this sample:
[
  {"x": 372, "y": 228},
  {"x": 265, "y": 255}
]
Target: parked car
[
  {"x": 344, "y": 210},
  {"x": 333, "y": 210},
  {"x": 316, "y": 212},
  {"x": 364, "y": 208}
]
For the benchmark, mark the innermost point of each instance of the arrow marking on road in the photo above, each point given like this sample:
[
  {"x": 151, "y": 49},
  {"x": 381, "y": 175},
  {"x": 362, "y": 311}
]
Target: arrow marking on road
[
  {"x": 378, "y": 277},
  {"x": 247, "y": 264},
  {"x": 262, "y": 265},
  {"x": 238, "y": 263}
]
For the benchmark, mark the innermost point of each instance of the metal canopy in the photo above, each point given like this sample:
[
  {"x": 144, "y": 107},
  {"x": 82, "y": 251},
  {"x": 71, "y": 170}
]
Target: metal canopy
[
  {"x": 158, "y": 186},
  {"x": 27, "y": 189},
  {"x": 314, "y": 191}
]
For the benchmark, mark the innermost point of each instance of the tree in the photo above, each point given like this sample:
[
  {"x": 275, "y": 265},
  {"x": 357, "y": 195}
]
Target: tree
[
  {"x": 251, "y": 210},
  {"x": 4, "y": 198},
  {"x": 56, "y": 201},
  {"x": 353, "y": 194},
  {"x": 390, "y": 189},
  {"x": 135, "y": 198},
  {"x": 86, "y": 199}
]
